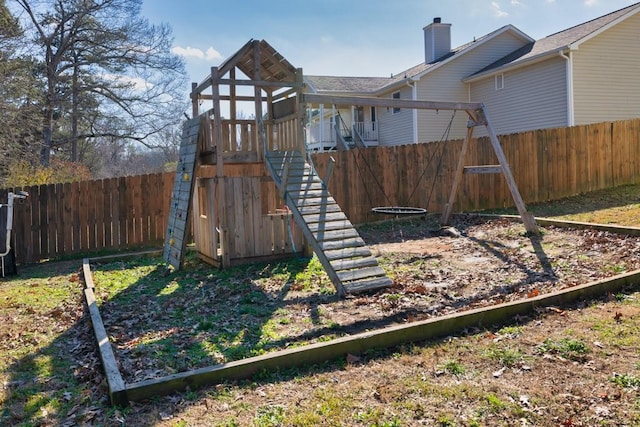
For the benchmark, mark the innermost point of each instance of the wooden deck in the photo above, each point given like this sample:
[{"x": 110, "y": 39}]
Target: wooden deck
[{"x": 340, "y": 249}]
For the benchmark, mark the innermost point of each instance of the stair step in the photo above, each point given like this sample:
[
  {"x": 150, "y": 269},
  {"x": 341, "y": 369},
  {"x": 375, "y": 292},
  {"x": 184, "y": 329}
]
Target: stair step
[
  {"x": 324, "y": 217},
  {"x": 314, "y": 201},
  {"x": 311, "y": 194},
  {"x": 346, "y": 233},
  {"x": 319, "y": 227},
  {"x": 341, "y": 244},
  {"x": 303, "y": 174},
  {"x": 361, "y": 273},
  {"x": 341, "y": 250},
  {"x": 318, "y": 209},
  {"x": 284, "y": 154},
  {"x": 304, "y": 186},
  {"x": 361, "y": 251},
  {"x": 367, "y": 285},
  {"x": 351, "y": 263},
  {"x": 303, "y": 179}
]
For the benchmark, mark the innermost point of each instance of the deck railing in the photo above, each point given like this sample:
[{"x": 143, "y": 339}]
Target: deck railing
[{"x": 368, "y": 130}]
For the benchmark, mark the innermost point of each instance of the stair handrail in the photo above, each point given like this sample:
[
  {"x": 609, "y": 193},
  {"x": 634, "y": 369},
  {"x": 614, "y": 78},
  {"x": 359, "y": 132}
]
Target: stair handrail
[
  {"x": 358, "y": 140},
  {"x": 340, "y": 138}
]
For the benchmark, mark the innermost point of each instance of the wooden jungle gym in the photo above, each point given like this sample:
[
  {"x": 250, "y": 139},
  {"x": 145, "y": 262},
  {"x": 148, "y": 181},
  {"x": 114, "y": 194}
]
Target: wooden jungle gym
[{"x": 248, "y": 181}]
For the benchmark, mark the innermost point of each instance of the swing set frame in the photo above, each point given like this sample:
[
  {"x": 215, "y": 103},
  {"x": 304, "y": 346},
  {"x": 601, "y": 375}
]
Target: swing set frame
[{"x": 478, "y": 116}]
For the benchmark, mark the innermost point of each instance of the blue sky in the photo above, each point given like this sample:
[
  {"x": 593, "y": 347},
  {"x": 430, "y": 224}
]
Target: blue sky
[{"x": 352, "y": 37}]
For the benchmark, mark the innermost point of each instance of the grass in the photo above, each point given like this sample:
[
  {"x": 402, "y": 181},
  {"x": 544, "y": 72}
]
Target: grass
[
  {"x": 568, "y": 348},
  {"x": 564, "y": 364},
  {"x": 505, "y": 356},
  {"x": 619, "y": 205}
]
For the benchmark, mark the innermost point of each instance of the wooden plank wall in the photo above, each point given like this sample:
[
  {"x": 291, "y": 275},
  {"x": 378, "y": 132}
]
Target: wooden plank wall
[
  {"x": 237, "y": 136},
  {"x": 129, "y": 212},
  {"x": 253, "y": 230},
  {"x": 91, "y": 216}
]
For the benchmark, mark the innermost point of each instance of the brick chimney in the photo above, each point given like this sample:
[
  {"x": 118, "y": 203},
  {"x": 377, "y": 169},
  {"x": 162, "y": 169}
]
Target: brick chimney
[{"x": 437, "y": 40}]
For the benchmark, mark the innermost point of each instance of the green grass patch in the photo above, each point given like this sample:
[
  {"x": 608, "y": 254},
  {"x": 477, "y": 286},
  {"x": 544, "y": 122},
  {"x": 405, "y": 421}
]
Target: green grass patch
[
  {"x": 626, "y": 380},
  {"x": 568, "y": 348},
  {"x": 453, "y": 367},
  {"x": 505, "y": 356}
]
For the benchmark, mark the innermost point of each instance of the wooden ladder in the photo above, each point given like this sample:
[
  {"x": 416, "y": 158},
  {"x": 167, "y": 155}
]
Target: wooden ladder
[
  {"x": 341, "y": 251},
  {"x": 182, "y": 195}
]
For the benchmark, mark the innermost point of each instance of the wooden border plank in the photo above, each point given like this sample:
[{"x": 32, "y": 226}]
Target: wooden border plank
[
  {"x": 117, "y": 388},
  {"x": 388, "y": 337}
]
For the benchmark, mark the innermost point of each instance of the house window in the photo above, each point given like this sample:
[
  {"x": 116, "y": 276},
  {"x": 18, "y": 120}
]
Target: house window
[
  {"x": 396, "y": 95},
  {"x": 373, "y": 118},
  {"x": 499, "y": 81}
]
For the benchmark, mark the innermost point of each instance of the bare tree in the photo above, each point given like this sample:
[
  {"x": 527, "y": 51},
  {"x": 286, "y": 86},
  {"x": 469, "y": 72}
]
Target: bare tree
[{"x": 103, "y": 64}]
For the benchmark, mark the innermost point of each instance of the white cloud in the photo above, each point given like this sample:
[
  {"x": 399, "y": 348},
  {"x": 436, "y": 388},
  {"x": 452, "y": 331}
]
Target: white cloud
[
  {"x": 213, "y": 54},
  {"x": 499, "y": 13},
  {"x": 138, "y": 83},
  {"x": 194, "y": 52},
  {"x": 590, "y": 3},
  {"x": 188, "y": 52},
  {"x": 516, "y": 3}
]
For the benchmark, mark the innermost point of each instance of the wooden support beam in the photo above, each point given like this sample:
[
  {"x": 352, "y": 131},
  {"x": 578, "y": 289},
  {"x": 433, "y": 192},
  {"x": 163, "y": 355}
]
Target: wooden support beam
[
  {"x": 299, "y": 109},
  {"x": 285, "y": 180},
  {"x": 194, "y": 101},
  {"x": 387, "y": 102},
  {"x": 262, "y": 83},
  {"x": 220, "y": 180},
  {"x": 232, "y": 98},
  {"x": 527, "y": 219},
  {"x": 457, "y": 178},
  {"x": 285, "y": 94},
  {"x": 257, "y": 93},
  {"x": 206, "y": 97},
  {"x": 329, "y": 171}
]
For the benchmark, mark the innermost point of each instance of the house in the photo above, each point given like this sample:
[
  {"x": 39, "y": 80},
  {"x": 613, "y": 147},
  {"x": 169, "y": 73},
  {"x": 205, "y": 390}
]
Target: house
[{"x": 584, "y": 74}]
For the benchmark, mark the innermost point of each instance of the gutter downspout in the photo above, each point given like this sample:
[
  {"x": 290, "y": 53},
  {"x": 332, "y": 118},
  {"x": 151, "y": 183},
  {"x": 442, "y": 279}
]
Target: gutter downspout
[
  {"x": 9, "y": 206},
  {"x": 414, "y": 118},
  {"x": 569, "y": 84}
]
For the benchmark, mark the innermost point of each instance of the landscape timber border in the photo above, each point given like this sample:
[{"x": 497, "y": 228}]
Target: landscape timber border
[{"x": 121, "y": 393}]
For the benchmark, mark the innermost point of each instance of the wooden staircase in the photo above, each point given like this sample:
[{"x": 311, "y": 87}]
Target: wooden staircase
[{"x": 341, "y": 251}]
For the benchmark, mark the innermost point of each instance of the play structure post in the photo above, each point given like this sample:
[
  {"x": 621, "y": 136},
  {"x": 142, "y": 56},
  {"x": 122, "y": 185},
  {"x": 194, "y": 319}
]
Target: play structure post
[
  {"x": 194, "y": 100},
  {"x": 220, "y": 177},
  {"x": 527, "y": 219}
]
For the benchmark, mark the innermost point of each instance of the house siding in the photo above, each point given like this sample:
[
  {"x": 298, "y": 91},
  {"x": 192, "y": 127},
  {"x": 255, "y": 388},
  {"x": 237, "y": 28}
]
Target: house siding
[
  {"x": 396, "y": 129},
  {"x": 606, "y": 78},
  {"x": 445, "y": 84},
  {"x": 533, "y": 97}
]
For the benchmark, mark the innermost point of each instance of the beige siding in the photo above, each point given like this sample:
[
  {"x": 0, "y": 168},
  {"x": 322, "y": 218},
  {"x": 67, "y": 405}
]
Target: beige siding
[
  {"x": 533, "y": 97},
  {"x": 445, "y": 84},
  {"x": 396, "y": 129},
  {"x": 606, "y": 76}
]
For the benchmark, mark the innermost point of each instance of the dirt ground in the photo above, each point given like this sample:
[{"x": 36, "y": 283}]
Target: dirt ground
[
  {"x": 435, "y": 271},
  {"x": 477, "y": 262},
  {"x": 551, "y": 369}
]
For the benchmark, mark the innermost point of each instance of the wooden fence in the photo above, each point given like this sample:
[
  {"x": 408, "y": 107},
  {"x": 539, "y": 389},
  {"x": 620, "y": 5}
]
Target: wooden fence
[
  {"x": 547, "y": 164},
  {"x": 129, "y": 212},
  {"x": 91, "y": 216}
]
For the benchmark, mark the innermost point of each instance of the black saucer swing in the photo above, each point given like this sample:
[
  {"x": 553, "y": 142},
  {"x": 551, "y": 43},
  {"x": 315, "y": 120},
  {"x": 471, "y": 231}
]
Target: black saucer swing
[{"x": 411, "y": 210}]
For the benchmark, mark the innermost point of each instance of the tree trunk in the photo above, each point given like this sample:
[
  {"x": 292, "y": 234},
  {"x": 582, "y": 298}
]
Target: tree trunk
[
  {"x": 47, "y": 136},
  {"x": 74, "y": 111}
]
